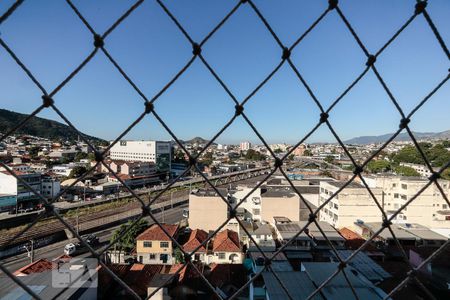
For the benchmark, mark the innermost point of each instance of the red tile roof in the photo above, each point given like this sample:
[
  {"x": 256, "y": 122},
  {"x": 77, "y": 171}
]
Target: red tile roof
[
  {"x": 196, "y": 237},
  {"x": 175, "y": 267},
  {"x": 155, "y": 233},
  {"x": 226, "y": 241},
  {"x": 354, "y": 240},
  {"x": 139, "y": 276},
  {"x": 41, "y": 265},
  {"x": 221, "y": 274}
]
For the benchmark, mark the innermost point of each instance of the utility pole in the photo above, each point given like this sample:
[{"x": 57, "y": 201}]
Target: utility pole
[
  {"x": 30, "y": 250},
  {"x": 78, "y": 223}
]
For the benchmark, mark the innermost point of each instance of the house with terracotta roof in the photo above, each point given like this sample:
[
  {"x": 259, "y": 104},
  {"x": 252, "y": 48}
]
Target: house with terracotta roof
[
  {"x": 154, "y": 246},
  {"x": 226, "y": 248},
  {"x": 196, "y": 238}
]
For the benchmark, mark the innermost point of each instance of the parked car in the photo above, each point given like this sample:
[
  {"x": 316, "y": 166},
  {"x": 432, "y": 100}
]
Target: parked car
[
  {"x": 73, "y": 249},
  {"x": 91, "y": 239}
]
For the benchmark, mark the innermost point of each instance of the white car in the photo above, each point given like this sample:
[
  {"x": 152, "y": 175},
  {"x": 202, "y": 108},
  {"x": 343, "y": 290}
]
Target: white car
[{"x": 70, "y": 249}]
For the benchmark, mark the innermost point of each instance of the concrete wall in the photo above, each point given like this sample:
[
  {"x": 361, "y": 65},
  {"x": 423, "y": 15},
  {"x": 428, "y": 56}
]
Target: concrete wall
[
  {"x": 207, "y": 212},
  {"x": 280, "y": 206},
  {"x": 8, "y": 184}
]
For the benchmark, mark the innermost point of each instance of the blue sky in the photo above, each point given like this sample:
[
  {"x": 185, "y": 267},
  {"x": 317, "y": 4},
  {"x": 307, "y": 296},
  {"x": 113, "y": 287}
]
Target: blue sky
[{"x": 49, "y": 38}]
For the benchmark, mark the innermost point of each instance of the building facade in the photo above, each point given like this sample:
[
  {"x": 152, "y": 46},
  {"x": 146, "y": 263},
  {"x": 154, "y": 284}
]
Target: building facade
[
  {"x": 207, "y": 210},
  {"x": 353, "y": 203},
  {"x": 10, "y": 185},
  {"x": 428, "y": 209},
  {"x": 157, "y": 152},
  {"x": 153, "y": 246}
]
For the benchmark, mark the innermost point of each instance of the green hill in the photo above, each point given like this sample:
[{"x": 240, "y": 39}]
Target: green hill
[{"x": 39, "y": 127}]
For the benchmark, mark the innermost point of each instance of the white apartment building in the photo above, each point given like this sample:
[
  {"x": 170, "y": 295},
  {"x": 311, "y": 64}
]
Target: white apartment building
[
  {"x": 9, "y": 185},
  {"x": 353, "y": 203},
  {"x": 147, "y": 151},
  {"x": 429, "y": 209},
  {"x": 251, "y": 204},
  {"x": 245, "y": 146}
]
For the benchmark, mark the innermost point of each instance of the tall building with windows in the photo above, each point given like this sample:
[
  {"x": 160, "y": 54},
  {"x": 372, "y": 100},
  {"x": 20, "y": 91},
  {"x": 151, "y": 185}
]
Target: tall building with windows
[
  {"x": 157, "y": 152},
  {"x": 245, "y": 146},
  {"x": 429, "y": 208},
  {"x": 352, "y": 204}
]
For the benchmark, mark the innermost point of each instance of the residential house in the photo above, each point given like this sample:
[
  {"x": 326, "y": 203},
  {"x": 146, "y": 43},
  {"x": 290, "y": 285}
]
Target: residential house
[
  {"x": 154, "y": 246},
  {"x": 196, "y": 238},
  {"x": 227, "y": 248}
]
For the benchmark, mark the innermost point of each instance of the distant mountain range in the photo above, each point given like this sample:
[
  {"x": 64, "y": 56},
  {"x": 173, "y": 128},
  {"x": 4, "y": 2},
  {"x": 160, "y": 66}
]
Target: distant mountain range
[
  {"x": 401, "y": 137},
  {"x": 196, "y": 140},
  {"x": 39, "y": 127}
]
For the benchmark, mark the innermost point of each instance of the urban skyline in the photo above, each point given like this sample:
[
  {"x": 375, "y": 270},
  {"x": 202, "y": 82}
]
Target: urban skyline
[{"x": 329, "y": 60}]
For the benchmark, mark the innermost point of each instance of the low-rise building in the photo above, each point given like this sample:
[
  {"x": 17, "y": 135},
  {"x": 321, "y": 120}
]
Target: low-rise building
[
  {"x": 196, "y": 238},
  {"x": 153, "y": 246},
  {"x": 227, "y": 248},
  {"x": 10, "y": 185}
]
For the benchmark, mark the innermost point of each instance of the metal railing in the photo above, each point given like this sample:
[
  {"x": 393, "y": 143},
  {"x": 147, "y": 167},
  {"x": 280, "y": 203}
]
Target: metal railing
[{"x": 418, "y": 10}]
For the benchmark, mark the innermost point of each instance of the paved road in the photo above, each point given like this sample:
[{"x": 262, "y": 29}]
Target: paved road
[{"x": 54, "y": 250}]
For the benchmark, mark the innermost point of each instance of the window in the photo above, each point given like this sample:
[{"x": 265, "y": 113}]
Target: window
[
  {"x": 394, "y": 185},
  {"x": 444, "y": 206},
  {"x": 336, "y": 206},
  {"x": 404, "y": 186},
  {"x": 395, "y": 195},
  {"x": 147, "y": 244},
  {"x": 256, "y": 211},
  {"x": 221, "y": 255},
  {"x": 140, "y": 258},
  {"x": 152, "y": 256},
  {"x": 164, "y": 244},
  {"x": 403, "y": 197},
  {"x": 258, "y": 236}
]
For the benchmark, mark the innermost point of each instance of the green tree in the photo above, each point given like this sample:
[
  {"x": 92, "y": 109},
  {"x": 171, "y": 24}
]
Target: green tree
[
  {"x": 329, "y": 159},
  {"x": 207, "y": 158},
  {"x": 406, "y": 171},
  {"x": 378, "y": 166},
  {"x": 34, "y": 152},
  {"x": 91, "y": 156},
  {"x": 179, "y": 256},
  {"x": 307, "y": 152},
  {"x": 291, "y": 157},
  {"x": 80, "y": 155},
  {"x": 254, "y": 155},
  {"x": 446, "y": 174},
  {"x": 77, "y": 172},
  {"x": 277, "y": 151},
  {"x": 128, "y": 241}
]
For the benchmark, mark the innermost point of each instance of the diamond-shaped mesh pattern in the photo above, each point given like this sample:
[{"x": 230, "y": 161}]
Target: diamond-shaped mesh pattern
[{"x": 418, "y": 10}]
